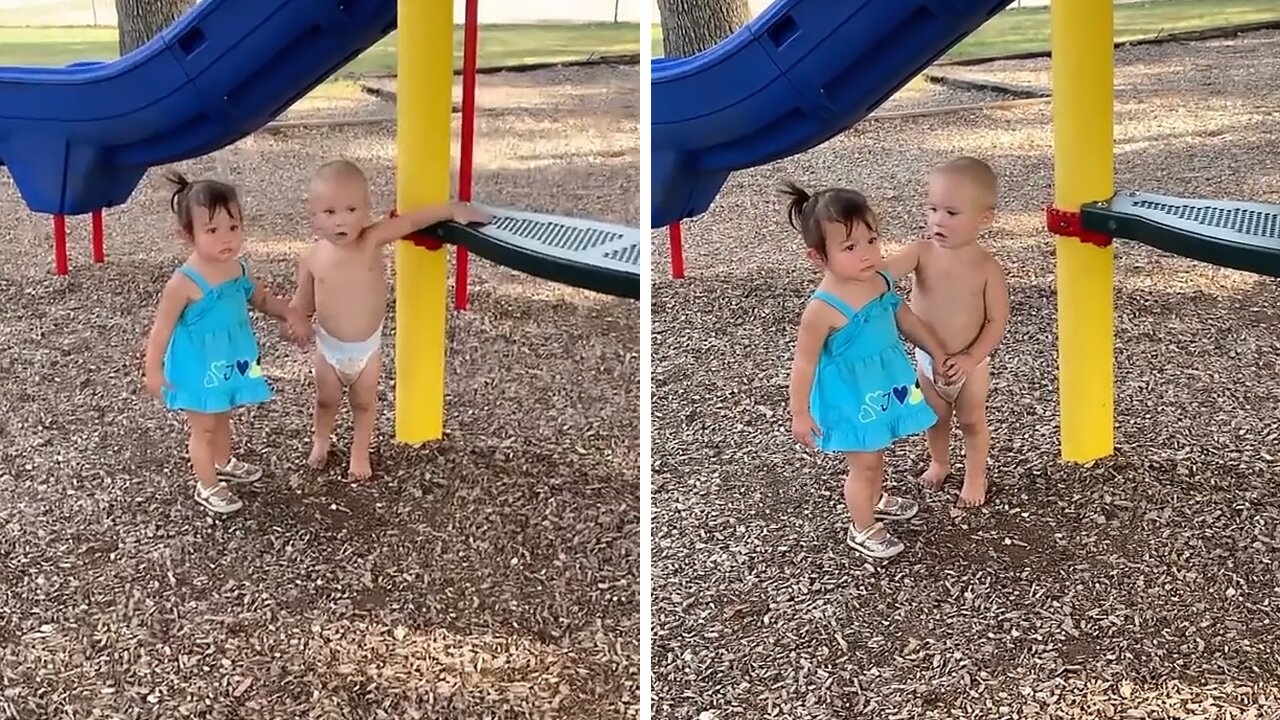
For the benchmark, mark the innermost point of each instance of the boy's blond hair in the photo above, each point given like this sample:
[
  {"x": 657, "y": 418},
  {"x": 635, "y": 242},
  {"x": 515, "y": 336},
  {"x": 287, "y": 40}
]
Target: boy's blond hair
[
  {"x": 340, "y": 169},
  {"x": 974, "y": 171}
]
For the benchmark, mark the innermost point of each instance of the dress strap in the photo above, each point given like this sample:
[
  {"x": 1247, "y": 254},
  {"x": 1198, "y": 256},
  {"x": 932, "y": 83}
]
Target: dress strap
[
  {"x": 834, "y": 302},
  {"x": 200, "y": 282},
  {"x": 244, "y": 269},
  {"x": 888, "y": 279}
]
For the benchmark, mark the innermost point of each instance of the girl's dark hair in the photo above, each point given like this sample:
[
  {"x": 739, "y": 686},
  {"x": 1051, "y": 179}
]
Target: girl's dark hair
[
  {"x": 808, "y": 212},
  {"x": 209, "y": 195}
]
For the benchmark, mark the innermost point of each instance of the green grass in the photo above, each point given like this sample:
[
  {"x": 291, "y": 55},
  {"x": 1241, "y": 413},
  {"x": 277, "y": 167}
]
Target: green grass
[
  {"x": 1028, "y": 29},
  {"x": 499, "y": 45}
]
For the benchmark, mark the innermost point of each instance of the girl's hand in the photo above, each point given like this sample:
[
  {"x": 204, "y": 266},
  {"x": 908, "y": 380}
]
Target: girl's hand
[
  {"x": 805, "y": 430},
  {"x": 155, "y": 383},
  {"x": 299, "y": 329}
]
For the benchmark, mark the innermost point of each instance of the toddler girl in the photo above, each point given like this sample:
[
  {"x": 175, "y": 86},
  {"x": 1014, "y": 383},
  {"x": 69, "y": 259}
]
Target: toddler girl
[
  {"x": 202, "y": 354},
  {"x": 853, "y": 389}
]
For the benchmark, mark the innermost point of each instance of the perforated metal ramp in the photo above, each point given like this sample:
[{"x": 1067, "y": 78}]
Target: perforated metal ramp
[
  {"x": 582, "y": 253},
  {"x": 1240, "y": 235}
]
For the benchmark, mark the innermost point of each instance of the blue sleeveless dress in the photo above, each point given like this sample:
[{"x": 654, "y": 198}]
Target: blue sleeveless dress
[
  {"x": 212, "y": 359},
  {"x": 865, "y": 393}
]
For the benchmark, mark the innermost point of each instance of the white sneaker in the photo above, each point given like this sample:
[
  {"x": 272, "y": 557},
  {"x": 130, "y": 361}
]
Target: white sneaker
[
  {"x": 238, "y": 473},
  {"x": 882, "y": 548},
  {"x": 218, "y": 499}
]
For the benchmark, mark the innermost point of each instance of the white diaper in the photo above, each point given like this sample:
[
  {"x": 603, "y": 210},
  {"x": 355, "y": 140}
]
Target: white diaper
[
  {"x": 348, "y": 359},
  {"x": 948, "y": 392}
]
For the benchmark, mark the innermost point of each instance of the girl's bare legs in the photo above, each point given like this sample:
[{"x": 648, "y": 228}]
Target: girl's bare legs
[
  {"x": 863, "y": 487},
  {"x": 221, "y": 447},
  {"x": 938, "y": 436},
  {"x": 202, "y": 446},
  {"x": 210, "y": 434}
]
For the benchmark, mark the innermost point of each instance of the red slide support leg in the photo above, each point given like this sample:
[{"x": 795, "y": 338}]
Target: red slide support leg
[
  {"x": 677, "y": 250},
  {"x": 466, "y": 159},
  {"x": 99, "y": 248},
  {"x": 60, "y": 244}
]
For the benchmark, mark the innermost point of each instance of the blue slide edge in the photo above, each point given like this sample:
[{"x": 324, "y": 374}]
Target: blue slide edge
[
  {"x": 800, "y": 73},
  {"x": 80, "y": 138}
]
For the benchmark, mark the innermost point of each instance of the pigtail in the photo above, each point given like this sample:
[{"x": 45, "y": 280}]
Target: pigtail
[
  {"x": 181, "y": 187},
  {"x": 800, "y": 199},
  {"x": 212, "y": 196}
]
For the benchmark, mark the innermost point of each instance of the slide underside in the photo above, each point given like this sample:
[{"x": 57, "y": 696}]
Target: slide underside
[
  {"x": 1228, "y": 233},
  {"x": 80, "y": 138},
  {"x": 794, "y": 77},
  {"x": 583, "y": 253}
]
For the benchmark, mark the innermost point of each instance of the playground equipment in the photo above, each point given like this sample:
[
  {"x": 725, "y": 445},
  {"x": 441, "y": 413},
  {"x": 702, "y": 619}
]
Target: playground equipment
[
  {"x": 807, "y": 70},
  {"x": 78, "y": 139}
]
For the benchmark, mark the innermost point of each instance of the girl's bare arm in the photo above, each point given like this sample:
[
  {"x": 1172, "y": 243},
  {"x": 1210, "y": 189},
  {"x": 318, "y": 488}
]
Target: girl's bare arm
[
  {"x": 815, "y": 325},
  {"x": 173, "y": 298},
  {"x": 920, "y": 333},
  {"x": 304, "y": 295},
  {"x": 268, "y": 302}
]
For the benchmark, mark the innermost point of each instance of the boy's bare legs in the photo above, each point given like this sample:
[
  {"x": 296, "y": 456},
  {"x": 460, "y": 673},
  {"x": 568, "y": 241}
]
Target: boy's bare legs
[
  {"x": 363, "y": 396},
  {"x": 328, "y": 398},
  {"x": 863, "y": 486},
  {"x": 938, "y": 436},
  {"x": 971, "y": 416}
]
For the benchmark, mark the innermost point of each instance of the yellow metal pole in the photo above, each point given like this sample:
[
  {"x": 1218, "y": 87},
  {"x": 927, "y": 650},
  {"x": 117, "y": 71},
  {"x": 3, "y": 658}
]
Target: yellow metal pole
[
  {"x": 1082, "y": 37},
  {"x": 424, "y": 96}
]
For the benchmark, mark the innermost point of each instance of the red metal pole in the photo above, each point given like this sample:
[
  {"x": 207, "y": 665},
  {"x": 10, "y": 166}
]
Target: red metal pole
[
  {"x": 468, "y": 140},
  {"x": 60, "y": 244},
  {"x": 677, "y": 250},
  {"x": 99, "y": 248}
]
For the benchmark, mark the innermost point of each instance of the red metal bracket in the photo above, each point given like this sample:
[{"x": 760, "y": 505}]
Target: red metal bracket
[
  {"x": 1067, "y": 224},
  {"x": 421, "y": 239}
]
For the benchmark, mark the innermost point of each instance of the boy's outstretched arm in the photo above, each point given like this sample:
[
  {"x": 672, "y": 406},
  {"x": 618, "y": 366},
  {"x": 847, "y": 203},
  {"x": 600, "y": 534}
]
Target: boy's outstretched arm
[
  {"x": 392, "y": 229},
  {"x": 904, "y": 262}
]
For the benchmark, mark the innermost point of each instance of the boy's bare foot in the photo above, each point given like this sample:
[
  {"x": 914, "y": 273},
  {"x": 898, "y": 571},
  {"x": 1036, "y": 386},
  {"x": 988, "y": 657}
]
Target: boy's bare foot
[
  {"x": 319, "y": 457},
  {"x": 973, "y": 493},
  {"x": 360, "y": 468},
  {"x": 935, "y": 475}
]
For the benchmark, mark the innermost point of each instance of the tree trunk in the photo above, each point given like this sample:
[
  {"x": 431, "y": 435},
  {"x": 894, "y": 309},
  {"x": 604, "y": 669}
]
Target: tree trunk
[
  {"x": 691, "y": 26},
  {"x": 141, "y": 20}
]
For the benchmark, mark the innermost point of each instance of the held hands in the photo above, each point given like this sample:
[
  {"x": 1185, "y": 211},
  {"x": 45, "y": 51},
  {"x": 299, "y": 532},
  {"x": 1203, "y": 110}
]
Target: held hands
[
  {"x": 295, "y": 327},
  {"x": 465, "y": 214},
  {"x": 805, "y": 430},
  {"x": 955, "y": 368}
]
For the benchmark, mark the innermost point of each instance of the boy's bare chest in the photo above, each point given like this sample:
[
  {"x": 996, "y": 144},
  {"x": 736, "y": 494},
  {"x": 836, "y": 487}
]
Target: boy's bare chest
[
  {"x": 337, "y": 269},
  {"x": 945, "y": 280}
]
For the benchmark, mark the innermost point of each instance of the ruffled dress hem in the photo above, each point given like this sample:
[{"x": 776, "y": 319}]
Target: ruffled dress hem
[
  {"x": 877, "y": 437},
  {"x": 213, "y": 403}
]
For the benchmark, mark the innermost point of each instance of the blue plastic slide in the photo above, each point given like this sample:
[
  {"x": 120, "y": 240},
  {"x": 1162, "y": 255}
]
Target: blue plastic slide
[
  {"x": 794, "y": 77},
  {"x": 80, "y": 138}
]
